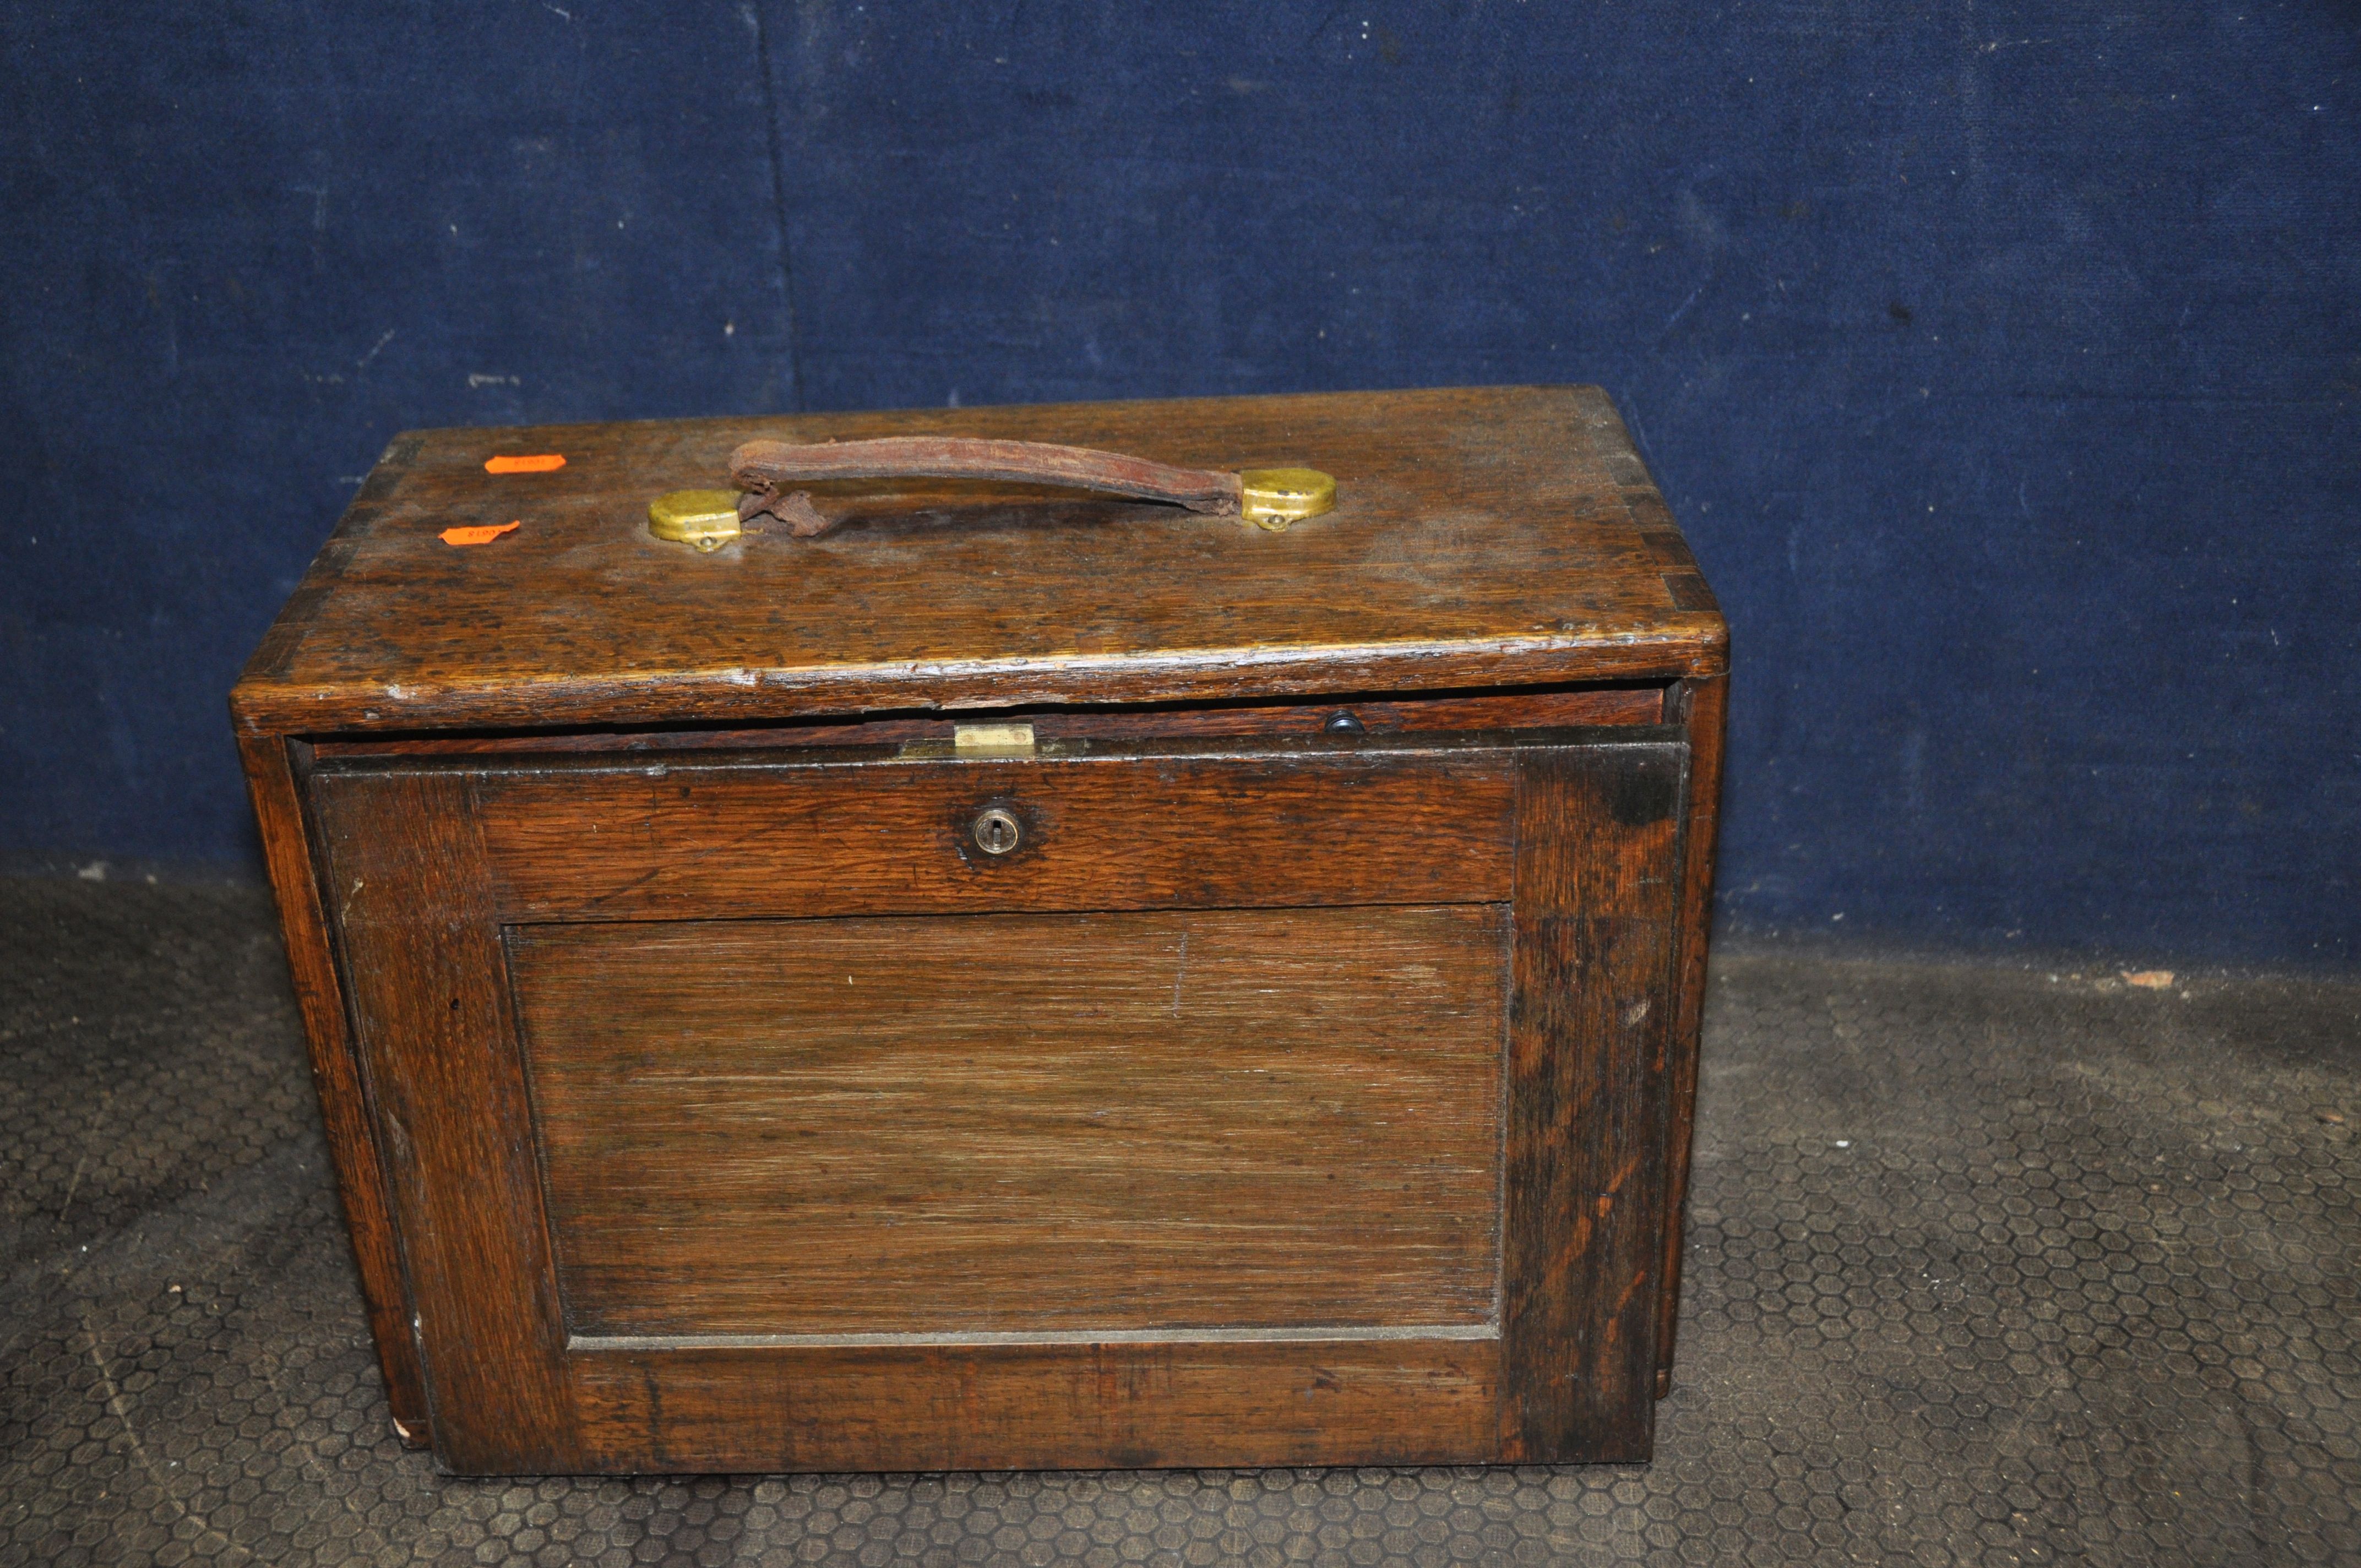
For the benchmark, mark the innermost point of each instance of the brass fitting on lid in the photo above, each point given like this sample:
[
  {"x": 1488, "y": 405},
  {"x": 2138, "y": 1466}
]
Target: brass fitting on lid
[
  {"x": 1273, "y": 497},
  {"x": 705, "y": 519}
]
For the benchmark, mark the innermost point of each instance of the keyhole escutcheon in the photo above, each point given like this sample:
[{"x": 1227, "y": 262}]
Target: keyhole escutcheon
[{"x": 995, "y": 830}]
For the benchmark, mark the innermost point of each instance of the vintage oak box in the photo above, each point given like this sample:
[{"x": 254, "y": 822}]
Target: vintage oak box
[{"x": 968, "y": 972}]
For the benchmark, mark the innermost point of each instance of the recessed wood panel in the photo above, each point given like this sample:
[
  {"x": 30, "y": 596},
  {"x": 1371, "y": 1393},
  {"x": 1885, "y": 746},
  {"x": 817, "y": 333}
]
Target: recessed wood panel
[{"x": 1227, "y": 1121}]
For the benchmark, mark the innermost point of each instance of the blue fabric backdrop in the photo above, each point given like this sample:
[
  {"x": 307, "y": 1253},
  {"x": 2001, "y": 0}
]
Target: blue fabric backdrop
[{"x": 2001, "y": 360}]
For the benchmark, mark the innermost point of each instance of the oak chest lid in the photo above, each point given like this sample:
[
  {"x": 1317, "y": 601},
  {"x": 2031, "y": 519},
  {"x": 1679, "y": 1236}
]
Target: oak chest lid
[{"x": 1479, "y": 537}]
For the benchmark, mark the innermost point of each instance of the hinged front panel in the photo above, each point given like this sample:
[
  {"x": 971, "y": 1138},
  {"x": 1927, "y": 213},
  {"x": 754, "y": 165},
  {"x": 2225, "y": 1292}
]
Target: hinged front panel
[{"x": 1225, "y": 1106}]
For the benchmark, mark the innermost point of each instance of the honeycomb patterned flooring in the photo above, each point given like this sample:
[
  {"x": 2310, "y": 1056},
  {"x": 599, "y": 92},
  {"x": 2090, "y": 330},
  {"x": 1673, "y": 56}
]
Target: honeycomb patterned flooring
[{"x": 1987, "y": 1266}]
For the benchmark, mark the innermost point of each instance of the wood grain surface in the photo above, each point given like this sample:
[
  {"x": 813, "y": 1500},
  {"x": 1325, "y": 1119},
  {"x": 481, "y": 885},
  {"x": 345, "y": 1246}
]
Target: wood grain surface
[
  {"x": 1481, "y": 537},
  {"x": 405, "y": 873},
  {"x": 1703, "y": 712},
  {"x": 287, "y": 852},
  {"x": 1021, "y": 1125},
  {"x": 656, "y": 1049},
  {"x": 995, "y": 1406},
  {"x": 887, "y": 836},
  {"x": 1598, "y": 885}
]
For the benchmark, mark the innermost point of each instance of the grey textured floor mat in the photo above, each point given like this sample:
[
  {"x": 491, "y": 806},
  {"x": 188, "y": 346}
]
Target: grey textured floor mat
[{"x": 1986, "y": 1266}]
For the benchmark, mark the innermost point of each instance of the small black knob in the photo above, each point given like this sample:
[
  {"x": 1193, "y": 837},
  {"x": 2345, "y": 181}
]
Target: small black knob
[{"x": 1343, "y": 724}]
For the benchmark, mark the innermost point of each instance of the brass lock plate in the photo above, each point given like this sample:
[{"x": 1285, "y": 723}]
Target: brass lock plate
[{"x": 992, "y": 741}]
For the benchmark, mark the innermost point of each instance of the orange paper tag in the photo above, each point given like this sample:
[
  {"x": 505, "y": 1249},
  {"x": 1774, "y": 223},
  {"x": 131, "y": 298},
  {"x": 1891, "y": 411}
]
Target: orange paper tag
[
  {"x": 478, "y": 533},
  {"x": 532, "y": 463}
]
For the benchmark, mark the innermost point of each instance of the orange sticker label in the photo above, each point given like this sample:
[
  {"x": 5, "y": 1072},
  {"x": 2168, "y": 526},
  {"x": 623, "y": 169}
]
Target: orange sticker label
[
  {"x": 479, "y": 533},
  {"x": 532, "y": 463}
]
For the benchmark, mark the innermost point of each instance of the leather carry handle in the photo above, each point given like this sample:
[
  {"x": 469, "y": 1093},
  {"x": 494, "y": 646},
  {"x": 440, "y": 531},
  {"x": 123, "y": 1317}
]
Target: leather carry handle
[{"x": 765, "y": 471}]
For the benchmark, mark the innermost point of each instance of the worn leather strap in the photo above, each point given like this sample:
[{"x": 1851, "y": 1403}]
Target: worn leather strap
[{"x": 765, "y": 470}]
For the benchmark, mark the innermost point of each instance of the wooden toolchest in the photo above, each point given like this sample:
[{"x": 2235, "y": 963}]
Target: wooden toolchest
[{"x": 992, "y": 960}]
